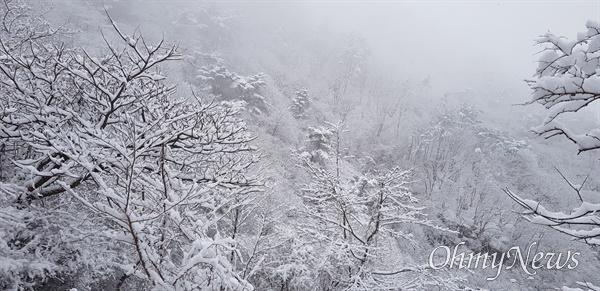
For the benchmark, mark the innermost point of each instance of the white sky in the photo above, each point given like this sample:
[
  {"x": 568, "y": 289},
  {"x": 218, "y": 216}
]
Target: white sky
[
  {"x": 455, "y": 41},
  {"x": 458, "y": 43}
]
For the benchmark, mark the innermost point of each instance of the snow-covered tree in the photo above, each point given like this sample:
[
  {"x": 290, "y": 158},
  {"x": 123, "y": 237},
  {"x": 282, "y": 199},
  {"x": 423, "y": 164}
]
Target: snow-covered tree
[
  {"x": 581, "y": 223},
  {"x": 300, "y": 103},
  {"x": 349, "y": 223},
  {"x": 568, "y": 79},
  {"x": 461, "y": 155},
  {"x": 320, "y": 144},
  {"x": 352, "y": 65},
  {"x": 438, "y": 152},
  {"x": 231, "y": 86},
  {"x": 157, "y": 181}
]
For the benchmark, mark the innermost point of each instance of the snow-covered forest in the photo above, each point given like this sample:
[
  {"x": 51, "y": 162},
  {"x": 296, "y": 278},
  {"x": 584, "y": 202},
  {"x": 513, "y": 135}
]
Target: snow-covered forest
[{"x": 202, "y": 145}]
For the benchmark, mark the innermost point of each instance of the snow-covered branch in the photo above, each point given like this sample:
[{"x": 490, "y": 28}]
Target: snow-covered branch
[
  {"x": 581, "y": 223},
  {"x": 169, "y": 176},
  {"x": 568, "y": 79}
]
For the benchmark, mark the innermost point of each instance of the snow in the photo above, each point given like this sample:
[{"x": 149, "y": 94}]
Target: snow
[
  {"x": 593, "y": 45},
  {"x": 592, "y": 83},
  {"x": 577, "y": 212},
  {"x": 565, "y": 45},
  {"x": 593, "y": 25},
  {"x": 163, "y": 188}
]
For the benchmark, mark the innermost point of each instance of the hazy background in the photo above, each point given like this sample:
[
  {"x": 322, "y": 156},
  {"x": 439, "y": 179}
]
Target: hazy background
[
  {"x": 434, "y": 94},
  {"x": 458, "y": 43}
]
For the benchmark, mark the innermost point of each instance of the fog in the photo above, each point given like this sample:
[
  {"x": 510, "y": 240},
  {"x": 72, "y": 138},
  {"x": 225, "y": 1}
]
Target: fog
[
  {"x": 299, "y": 145},
  {"x": 458, "y": 43}
]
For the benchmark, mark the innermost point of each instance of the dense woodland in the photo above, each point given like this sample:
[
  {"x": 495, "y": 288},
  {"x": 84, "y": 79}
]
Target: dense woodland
[{"x": 184, "y": 146}]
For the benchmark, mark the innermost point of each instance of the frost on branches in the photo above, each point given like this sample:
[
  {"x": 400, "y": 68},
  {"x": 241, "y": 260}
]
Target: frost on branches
[
  {"x": 300, "y": 103},
  {"x": 348, "y": 225},
  {"x": 108, "y": 165},
  {"x": 568, "y": 79},
  {"x": 231, "y": 86}
]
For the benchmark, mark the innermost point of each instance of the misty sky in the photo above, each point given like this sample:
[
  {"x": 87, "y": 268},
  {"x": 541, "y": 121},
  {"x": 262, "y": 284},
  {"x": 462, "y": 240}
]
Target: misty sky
[{"x": 456, "y": 42}]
